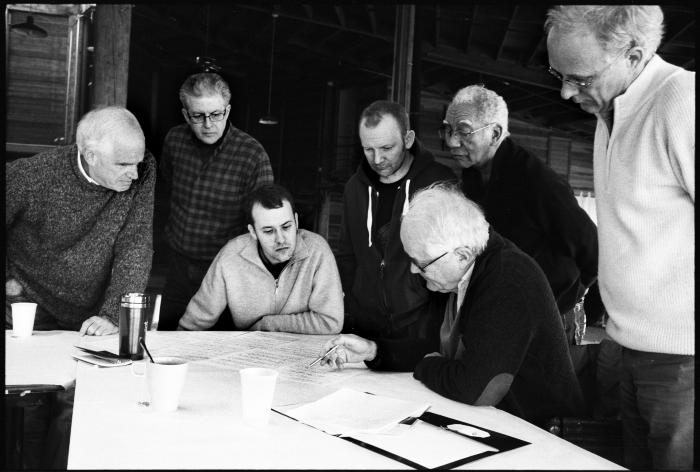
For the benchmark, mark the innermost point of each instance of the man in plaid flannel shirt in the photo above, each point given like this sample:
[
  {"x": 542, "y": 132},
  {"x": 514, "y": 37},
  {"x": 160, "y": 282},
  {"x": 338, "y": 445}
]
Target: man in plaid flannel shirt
[{"x": 210, "y": 166}]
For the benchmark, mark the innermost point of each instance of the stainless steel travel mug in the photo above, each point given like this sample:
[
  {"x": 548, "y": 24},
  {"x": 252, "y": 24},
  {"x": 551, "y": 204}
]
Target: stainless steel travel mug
[{"x": 133, "y": 324}]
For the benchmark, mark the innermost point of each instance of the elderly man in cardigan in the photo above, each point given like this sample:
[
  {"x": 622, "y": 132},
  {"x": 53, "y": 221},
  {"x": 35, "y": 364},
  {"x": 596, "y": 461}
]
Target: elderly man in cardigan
[
  {"x": 500, "y": 342},
  {"x": 275, "y": 278}
]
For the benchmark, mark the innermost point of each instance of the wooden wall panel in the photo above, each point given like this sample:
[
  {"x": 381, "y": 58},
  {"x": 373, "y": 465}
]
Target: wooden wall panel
[{"x": 36, "y": 81}]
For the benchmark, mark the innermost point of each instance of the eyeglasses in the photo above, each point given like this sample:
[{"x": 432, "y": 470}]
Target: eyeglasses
[
  {"x": 588, "y": 82},
  {"x": 425, "y": 266},
  {"x": 201, "y": 117},
  {"x": 446, "y": 132}
]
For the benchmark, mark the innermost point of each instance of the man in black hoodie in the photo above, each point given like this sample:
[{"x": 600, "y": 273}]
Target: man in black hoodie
[{"x": 382, "y": 297}]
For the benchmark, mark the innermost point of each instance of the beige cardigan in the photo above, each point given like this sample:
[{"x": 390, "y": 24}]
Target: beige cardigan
[{"x": 307, "y": 298}]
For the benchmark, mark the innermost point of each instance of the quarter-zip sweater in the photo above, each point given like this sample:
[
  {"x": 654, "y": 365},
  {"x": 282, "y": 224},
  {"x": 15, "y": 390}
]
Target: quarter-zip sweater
[
  {"x": 644, "y": 178},
  {"x": 382, "y": 297},
  {"x": 306, "y": 298}
]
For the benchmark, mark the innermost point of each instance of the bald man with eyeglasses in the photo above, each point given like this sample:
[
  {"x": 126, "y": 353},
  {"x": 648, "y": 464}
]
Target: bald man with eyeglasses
[{"x": 210, "y": 166}]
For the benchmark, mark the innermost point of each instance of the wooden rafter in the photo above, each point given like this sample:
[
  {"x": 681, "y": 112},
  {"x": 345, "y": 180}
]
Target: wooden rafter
[{"x": 504, "y": 38}]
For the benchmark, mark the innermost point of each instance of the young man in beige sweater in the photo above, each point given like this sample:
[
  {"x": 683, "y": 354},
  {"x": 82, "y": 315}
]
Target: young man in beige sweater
[{"x": 275, "y": 278}]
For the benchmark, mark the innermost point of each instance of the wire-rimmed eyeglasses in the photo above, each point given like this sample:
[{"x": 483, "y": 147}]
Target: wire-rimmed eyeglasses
[
  {"x": 586, "y": 82},
  {"x": 446, "y": 132},
  {"x": 201, "y": 117}
]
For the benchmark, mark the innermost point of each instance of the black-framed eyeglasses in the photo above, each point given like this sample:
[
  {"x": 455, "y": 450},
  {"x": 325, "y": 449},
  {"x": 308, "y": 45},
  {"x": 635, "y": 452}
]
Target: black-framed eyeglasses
[
  {"x": 463, "y": 134},
  {"x": 425, "y": 266},
  {"x": 201, "y": 117}
]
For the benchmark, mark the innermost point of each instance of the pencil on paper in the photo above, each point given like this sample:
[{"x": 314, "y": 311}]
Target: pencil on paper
[{"x": 324, "y": 356}]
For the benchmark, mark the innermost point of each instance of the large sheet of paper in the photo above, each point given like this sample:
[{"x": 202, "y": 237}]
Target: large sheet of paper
[{"x": 348, "y": 411}]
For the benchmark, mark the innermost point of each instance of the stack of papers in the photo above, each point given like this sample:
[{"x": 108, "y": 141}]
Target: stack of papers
[{"x": 348, "y": 411}]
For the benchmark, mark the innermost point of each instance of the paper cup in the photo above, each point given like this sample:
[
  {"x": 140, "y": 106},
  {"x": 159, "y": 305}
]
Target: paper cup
[
  {"x": 23, "y": 319},
  {"x": 165, "y": 379},
  {"x": 257, "y": 390}
]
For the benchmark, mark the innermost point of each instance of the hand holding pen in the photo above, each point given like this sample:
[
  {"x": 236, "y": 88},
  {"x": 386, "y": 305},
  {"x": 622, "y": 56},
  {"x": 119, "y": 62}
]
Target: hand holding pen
[{"x": 346, "y": 348}]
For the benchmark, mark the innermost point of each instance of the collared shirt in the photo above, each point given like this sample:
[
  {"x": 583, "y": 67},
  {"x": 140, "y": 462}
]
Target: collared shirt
[
  {"x": 450, "y": 333},
  {"x": 82, "y": 171},
  {"x": 208, "y": 189}
]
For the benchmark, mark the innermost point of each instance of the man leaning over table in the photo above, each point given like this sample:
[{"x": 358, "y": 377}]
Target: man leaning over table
[
  {"x": 644, "y": 179},
  {"x": 78, "y": 227},
  {"x": 275, "y": 278},
  {"x": 78, "y": 223},
  {"x": 500, "y": 342}
]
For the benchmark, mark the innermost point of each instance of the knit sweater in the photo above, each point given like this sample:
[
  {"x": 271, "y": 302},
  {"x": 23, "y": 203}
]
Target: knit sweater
[
  {"x": 644, "y": 177},
  {"x": 510, "y": 328},
  {"x": 307, "y": 297},
  {"x": 530, "y": 204},
  {"x": 76, "y": 247}
]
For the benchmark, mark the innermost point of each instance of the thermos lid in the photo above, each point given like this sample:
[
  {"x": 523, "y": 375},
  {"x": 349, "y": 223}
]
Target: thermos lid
[{"x": 135, "y": 299}]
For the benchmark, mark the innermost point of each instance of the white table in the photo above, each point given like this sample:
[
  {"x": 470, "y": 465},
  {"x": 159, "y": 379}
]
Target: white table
[{"x": 110, "y": 431}]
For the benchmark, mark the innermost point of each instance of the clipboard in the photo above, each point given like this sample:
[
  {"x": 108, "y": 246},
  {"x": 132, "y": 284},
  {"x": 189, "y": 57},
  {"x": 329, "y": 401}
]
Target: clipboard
[{"x": 495, "y": 440}]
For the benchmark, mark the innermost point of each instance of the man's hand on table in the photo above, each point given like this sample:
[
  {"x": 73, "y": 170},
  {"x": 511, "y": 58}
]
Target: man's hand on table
[
  {"x": 98, "y": 326},
  {"x": 12, "y": 288},
  {"x": 351, "y": 348}
]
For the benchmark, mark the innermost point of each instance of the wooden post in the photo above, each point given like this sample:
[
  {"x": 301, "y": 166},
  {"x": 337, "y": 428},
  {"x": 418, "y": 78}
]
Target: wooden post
[
  {"x": 403, "y": 55},
  {"x": 112, "y": 37}
]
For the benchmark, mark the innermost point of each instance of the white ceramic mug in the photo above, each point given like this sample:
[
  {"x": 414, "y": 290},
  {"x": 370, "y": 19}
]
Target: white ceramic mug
[
  {"x": 165, "y": 378},
  {"x": 23, "y": 319},
  {"x": 257, "y": 390}
]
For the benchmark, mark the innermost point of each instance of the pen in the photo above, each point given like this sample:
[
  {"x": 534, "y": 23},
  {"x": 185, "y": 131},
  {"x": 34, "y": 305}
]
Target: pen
[{"x": 324, "y": 356}]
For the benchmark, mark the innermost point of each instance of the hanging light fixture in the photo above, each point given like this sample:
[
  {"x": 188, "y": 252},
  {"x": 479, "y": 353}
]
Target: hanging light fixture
[
  {"x": 28, "y": 28},
  {"x": 268, "y": 119}
]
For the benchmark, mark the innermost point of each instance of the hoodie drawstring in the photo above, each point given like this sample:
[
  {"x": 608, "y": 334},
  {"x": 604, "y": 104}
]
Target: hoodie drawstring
[
  {"x": 405, "y": 201},
  {"x": 369, "y": 216}
]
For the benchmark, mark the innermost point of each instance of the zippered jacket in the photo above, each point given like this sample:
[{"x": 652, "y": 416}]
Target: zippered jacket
[
  {"x": 382, "y": 297},
  {"x": 306, "y": 298}
]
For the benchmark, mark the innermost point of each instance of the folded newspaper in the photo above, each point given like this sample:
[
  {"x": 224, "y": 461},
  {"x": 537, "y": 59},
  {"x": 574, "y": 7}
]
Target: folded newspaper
[{"x": 348, "y": 411}]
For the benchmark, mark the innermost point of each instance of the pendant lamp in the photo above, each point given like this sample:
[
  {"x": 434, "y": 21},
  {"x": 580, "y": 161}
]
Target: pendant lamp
[
  {"x": 268, "y": 119},
  {"x": 28, "y": 28}
]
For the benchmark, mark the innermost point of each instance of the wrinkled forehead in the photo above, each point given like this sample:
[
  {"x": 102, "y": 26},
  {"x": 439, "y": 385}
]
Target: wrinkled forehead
[
  {"x": 125, "y": 147},
  {"x": 464, "y": 113}
]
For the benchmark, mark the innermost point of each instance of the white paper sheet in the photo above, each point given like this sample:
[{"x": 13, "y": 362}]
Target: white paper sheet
[{"x": 348, "y": 411}]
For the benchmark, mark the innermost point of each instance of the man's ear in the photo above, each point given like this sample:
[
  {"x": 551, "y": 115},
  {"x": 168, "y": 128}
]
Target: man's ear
[
  {"x": 184, "y": 114},
  {"x": 89, "y": 156},
  {"x": 464, "y": 253},
  {"x": 251, "y": 230},
  {"x": 496, "y": 133},
  {"x": 635, "y": 56},
  {"x": 409, "y": 138},
  {"x": 296, "y": 220}
]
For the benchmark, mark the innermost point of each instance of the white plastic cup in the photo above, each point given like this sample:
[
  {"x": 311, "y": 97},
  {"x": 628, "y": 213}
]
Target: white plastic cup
[
  {"x": 23, "y": 319},
  {"x": 165, "y": 378},
  {"x": 257, "y": 390}
]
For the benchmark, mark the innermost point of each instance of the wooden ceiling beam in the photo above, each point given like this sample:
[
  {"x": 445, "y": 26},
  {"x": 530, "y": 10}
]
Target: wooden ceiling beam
[
  {"x": 340, "y": 13},
  {"x": 389, "y": 38},
  {"x": 470, "y": 28},
  {"x": 372, "y": 18},
  {"x": 499, "y": 53},
  {"x": 478, "y": 63}
]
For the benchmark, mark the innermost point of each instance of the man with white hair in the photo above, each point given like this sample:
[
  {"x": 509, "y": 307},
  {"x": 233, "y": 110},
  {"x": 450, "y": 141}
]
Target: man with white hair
[
  {"x": 523, "y": 198},
  {"x": 500, "y": 342},
  {"x": 78, "y": 227},
  {"x": 644, "y": 179},
  {"x": 78, "y": 223}
]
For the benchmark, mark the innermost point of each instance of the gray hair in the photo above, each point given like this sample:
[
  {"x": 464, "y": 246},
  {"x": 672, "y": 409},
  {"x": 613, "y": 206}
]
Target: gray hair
[
  {"x": 113, "y": 122},
  {"x": 615, "y": 26},
  {"x": 441, "y": 215},
  {"x": 204, "y": 83},
  {"x": 487, "y": 105}
]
